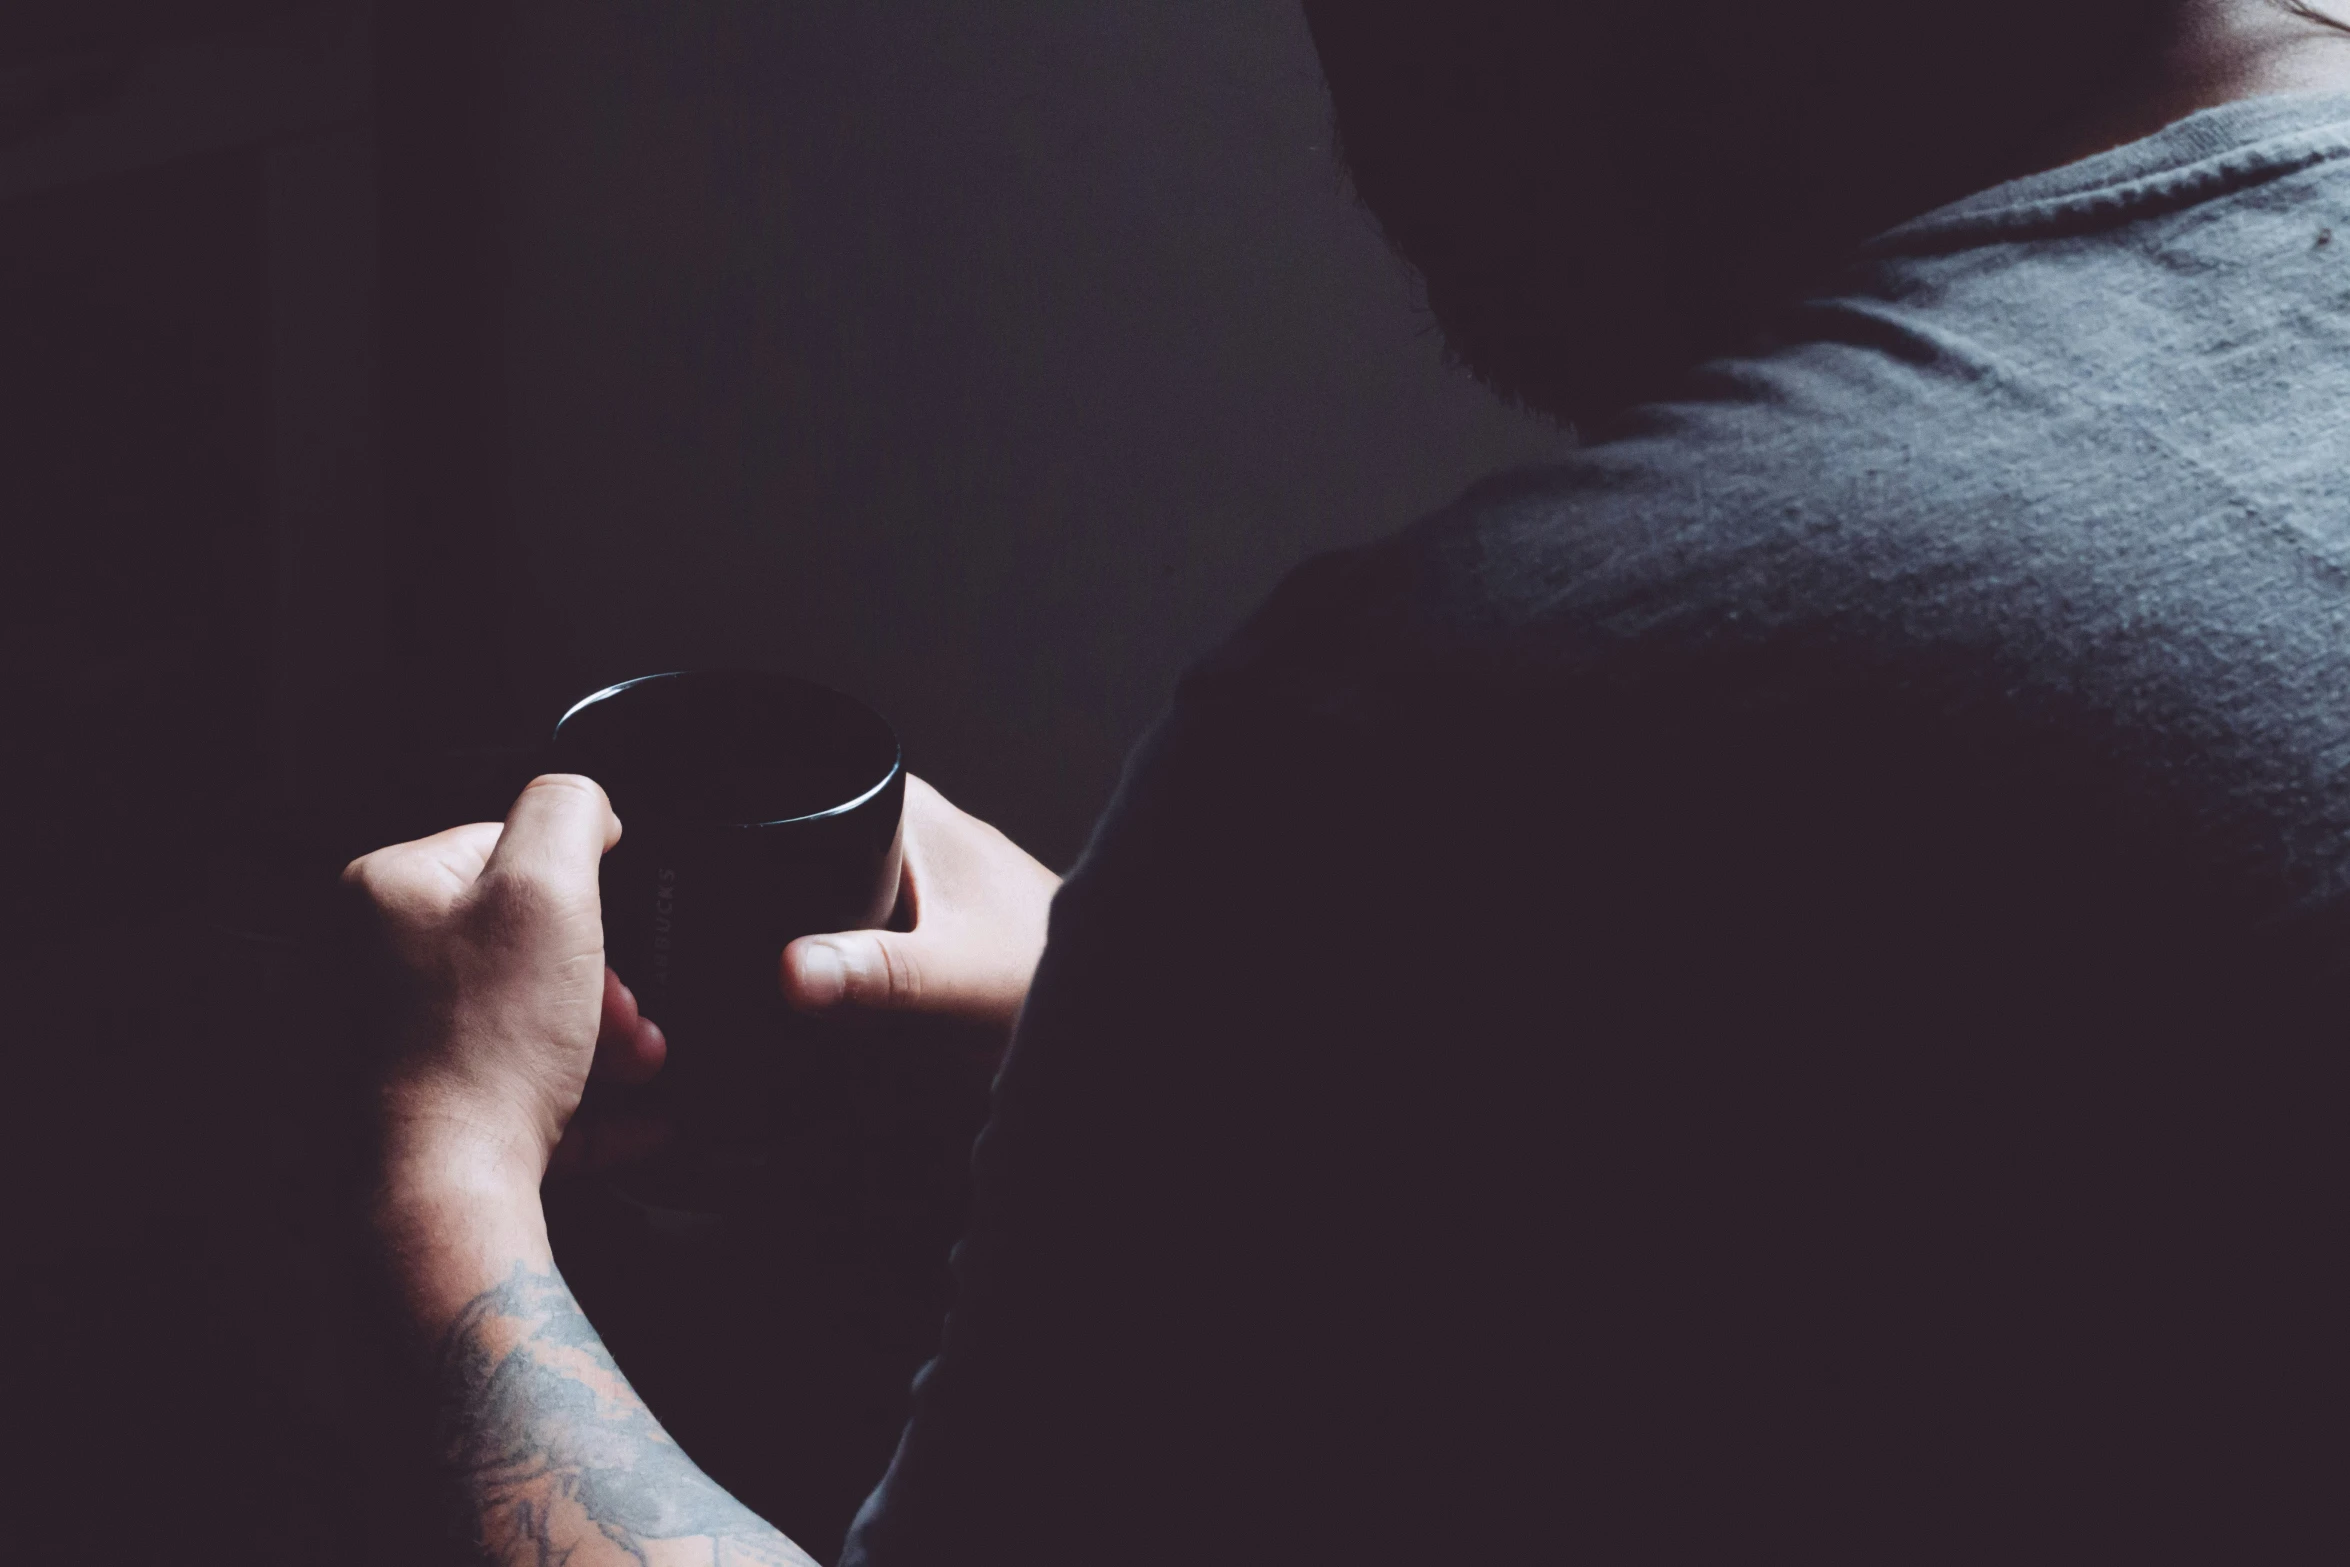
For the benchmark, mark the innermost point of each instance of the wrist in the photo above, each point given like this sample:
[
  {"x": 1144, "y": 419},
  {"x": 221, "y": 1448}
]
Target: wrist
[
  {"x": 453, "y": 1173},
  {"x": 438, "y": 1168},
  {"x": 436, "y": 1140},
  {"x": 427, "y": 1193},
  {"x": 449, "y": 1218}
]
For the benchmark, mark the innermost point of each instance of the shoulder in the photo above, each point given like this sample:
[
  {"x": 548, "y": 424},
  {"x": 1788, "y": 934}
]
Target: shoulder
[
  {"x": 1556, "y": 633},
  {"x": 1791, "y": 498}
]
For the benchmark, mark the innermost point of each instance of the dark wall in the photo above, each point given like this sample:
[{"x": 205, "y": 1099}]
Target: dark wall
[
  {"x": 377, "y": 380},
  {"x": 986, "y": 361},
  {"x": 137, "y": 552}
]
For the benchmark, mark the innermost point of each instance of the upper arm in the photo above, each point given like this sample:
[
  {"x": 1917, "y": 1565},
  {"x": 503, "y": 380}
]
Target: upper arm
[{"x": 1257, "y": 1069}]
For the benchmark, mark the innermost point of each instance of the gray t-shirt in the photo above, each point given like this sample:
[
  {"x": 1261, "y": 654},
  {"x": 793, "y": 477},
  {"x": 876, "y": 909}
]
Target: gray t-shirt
[{"x": 1766, "y": 992}]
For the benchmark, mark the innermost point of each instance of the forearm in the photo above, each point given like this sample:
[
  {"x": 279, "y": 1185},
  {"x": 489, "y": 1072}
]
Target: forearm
[{"x": 547, "y": 1452}]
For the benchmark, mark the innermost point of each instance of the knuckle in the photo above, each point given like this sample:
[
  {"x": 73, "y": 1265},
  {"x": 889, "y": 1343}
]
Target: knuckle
[
  {"x": 376, "y": 879},
  {"x": 567, "y": 783},
  {"x": 901, "y": 974}
]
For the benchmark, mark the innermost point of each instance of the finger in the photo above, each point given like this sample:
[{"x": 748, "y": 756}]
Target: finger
[
  {"x": 428, "y": 870},
  {"x": 462, "y": 851},
  {"x": 869, "y": 970},
  {"x": 927, "y": 814},
  {"x": 925, "y": 803},
  {"x": 630, "y": 1047},
  {"x": 557, "y": 831}
]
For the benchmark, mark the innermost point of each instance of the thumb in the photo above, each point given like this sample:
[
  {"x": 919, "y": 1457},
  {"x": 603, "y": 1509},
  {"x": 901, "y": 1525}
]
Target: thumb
[
  {"x": 556, "y": 832},
  {"x": 869, "y": 969}
]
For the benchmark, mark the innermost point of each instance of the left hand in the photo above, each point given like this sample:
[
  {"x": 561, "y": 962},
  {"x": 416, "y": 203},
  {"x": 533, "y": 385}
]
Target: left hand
[
  {"x": 494, "y": 941},
  {"x": 979, "y": 906}
]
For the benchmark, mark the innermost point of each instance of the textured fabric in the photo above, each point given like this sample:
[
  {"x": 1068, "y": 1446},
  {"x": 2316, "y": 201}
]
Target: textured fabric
[{"x": 1768, "y": 992}]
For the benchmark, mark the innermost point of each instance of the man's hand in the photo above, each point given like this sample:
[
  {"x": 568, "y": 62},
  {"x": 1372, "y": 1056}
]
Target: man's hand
[
  {"x": 978, "y": 904},
  {"x": 495, "y": 942}
]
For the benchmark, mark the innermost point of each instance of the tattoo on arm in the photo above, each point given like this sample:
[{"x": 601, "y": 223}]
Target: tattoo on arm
[{"x": 558, "y": 1461}]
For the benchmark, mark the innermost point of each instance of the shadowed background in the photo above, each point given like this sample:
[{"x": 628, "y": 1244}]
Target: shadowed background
[
  {"x": 986, "y": 361},
  {"x": 371, "y": 385}
]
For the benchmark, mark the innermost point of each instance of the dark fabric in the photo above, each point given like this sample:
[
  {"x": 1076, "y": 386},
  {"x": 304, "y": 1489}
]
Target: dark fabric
[{"x": 1770, "y": 992}]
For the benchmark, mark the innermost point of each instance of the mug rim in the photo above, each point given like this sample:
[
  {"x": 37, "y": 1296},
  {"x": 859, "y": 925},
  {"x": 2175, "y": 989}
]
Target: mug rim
[{"x": 897, "y": 759}]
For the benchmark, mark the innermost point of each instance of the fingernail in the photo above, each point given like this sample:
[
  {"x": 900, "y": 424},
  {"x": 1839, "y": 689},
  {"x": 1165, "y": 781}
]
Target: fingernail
[{"x": 824, "y": 979}]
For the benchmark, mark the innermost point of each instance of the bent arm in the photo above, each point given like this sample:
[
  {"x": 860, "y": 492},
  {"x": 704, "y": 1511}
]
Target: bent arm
[{"x": 546, "y": 1452}]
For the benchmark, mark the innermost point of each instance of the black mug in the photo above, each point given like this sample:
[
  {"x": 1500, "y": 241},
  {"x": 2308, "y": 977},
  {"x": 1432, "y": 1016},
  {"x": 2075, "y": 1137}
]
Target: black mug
[{"x": 755, "y": 808}]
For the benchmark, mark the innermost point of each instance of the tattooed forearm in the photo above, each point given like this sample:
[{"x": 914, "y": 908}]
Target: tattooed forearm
[{"x": 555, "y": 1458}]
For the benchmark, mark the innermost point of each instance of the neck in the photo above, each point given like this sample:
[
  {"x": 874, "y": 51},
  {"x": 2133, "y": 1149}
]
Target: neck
[{"x": 2212, "y": 52}]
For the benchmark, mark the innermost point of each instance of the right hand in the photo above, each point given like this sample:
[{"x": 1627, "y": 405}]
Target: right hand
[
  {"x": 491, "y": 938},
  {"x": 978, "y": 903}
]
